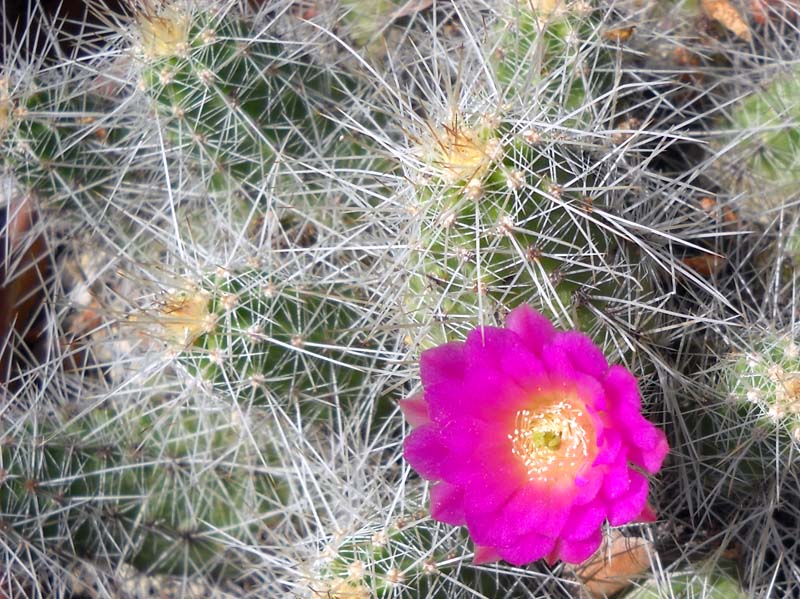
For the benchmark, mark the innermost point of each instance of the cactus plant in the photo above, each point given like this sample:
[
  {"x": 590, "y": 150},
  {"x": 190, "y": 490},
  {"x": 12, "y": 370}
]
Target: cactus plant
[
  {"x": 503, "y": 218},
  {"x": 708, "y": 580},
  {"x": 764, "y": 136},
  {"x": 53, "y": 140},
  {"x": 163, "y": 488},
  {"x": 266, "y": 343},
  {"x": 231, "y": 96}
]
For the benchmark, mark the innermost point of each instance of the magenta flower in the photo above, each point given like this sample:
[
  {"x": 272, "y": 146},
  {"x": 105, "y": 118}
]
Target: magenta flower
[{"x": 533, "y": 439}]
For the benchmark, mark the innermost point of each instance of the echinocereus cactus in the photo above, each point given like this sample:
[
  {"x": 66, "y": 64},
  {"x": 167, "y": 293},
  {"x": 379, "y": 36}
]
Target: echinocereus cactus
[
  {"x": 52, "y": 139},
  {"x": 532, "y": 440},
  {"x": 752, "y": 431},
  {"x": 503, "y": 217},
  {"x": 231, "y": 96},
  {"x": 553, "y": 47},
  {"x": 266, "y": 342},
  {"x": 713, "y": 579},
  {"x": 163, "y": 487},
  {"x": 762, "y": 144}
]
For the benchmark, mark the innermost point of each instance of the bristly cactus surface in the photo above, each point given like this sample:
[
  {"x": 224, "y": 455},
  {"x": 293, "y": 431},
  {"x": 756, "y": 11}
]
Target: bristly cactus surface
[
  {"x": 709, "y": 580},
  {"x": 264, "y": 342},
  {"x": 554, "y": 48},
  {"x": 300, "y": 196},
  {"x": 761, "y": 153},
  {"x": 750, "y": 431},
  {"x": 52, "y": 141},
  {"x": 165, "y": 488},
  {"x": 232, "y": 97}
]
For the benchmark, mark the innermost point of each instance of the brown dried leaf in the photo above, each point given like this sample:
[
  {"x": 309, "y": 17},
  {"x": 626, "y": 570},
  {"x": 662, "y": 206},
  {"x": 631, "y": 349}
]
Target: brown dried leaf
[
  {"x": 773, "y": 10},
  {"x": 709, "y": 205},
  {"x": 23, "y": 276},
  {"x": 615, "y": 565},
  {"x": 726, "y": 14}
]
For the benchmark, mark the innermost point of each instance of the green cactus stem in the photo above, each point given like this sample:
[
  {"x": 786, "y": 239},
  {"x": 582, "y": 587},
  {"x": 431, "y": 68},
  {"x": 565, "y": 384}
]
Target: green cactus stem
[
  {"x": 164, "y": 489},
  {"x": 230, "y": 97}
]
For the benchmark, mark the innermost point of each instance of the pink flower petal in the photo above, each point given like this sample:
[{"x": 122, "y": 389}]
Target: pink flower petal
[
  {"x": 584, "y": 355},
  {"x": 467, "y": 436},
  {"x": 609, "y": 443},
  {"x": 647, "y": 515},
  {"x": 442, "y": 365},
  {"x": 504, "y": 352},
  {"x": 466, "y": 428},
  {"x": 621, "y": 385},
  {"x": 652, "y": 459},
  {"x": 616, "y": 481},
  {"x": 447, "y": 504},
  {"x": 627, "y": 507},
  {"x": 558, "y": 364},
  {"x": 480, "y": 394},
  {"x": 528, "y": 548},
  {"x": 635, "y": 429},
  {"x": 575, "y": 552},
  {"x": 415, "y": 409},
  {"x": 426, "y": 454},
  {"x": 485, "y": 555},
  {"x": 587, "y": 486},
  {"x": 534, "y": 329},
  {"x": 529, "y": 509},
  {"x": 584, "y": 520}
]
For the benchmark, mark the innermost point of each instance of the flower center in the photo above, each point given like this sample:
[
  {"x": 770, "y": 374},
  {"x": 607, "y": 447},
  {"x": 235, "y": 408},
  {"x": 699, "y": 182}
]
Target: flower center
[{"x": 552, "y": 441}]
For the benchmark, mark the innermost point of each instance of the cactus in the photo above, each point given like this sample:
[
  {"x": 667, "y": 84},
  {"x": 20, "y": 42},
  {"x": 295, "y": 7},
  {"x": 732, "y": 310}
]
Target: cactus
[
  {"x": 54, "y": 142},
  {"x": 762, "y": 145},
  {"x": 752, "y": 432},
  {"x": 231, "y": 97},
  {"x": 506, "y": 218},
  {"x": 553, "y": 46},
  {"x": 315, "y": 200},
  {"x": 709, "y": 580},
  {"x": 412, "y": 557},
  {"x": 268, "y": 343},
  {"x": 163, "y": 488}
]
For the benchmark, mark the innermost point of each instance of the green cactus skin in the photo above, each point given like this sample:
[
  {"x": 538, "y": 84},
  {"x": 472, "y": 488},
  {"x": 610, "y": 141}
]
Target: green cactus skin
[
  {"x": 766, "y": 136},
  {"x": 365, "y": 18},
  {"x": 708, "y": 581},
  {"x": 52, "y": 143},
  {"x": 756, "y": 430},
  {"x": 230, "y": 98},
  {"x": 268, "y": 343},
  {"x": 165, "y": 489},
  {"x": 502, "y": 224},
  {"x": 746, "y": 424},
  {"x": 413, "y": 554},
  {"x": 543, "y": 45}
]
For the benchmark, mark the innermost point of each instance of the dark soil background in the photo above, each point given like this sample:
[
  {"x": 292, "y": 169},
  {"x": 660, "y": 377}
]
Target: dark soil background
[{"x": 37, "y": 17}]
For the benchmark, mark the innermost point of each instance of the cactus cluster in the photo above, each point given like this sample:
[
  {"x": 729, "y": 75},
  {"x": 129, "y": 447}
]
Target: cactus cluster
[{"x": 259, "y": 214}]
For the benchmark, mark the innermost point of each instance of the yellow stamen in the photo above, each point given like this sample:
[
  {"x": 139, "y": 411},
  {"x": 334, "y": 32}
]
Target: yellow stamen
[{"x": 552, "y": 441}]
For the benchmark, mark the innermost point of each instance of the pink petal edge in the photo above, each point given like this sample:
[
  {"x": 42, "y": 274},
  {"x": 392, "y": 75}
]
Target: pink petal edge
[
  {"x": 415, "y": 409},
  {"x": 485, "y": 555}
]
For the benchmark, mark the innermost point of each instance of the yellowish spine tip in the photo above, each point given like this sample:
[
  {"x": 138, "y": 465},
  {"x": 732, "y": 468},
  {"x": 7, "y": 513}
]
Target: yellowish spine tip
[
  {"x": 461, "y": 153},
  {"x": 185, "y": 316}
]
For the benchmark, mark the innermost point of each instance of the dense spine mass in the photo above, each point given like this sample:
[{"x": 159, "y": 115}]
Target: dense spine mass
[
  {"x": 286, "y": 202},
  {"x": 232, "y": 98},
  {"x": 265, "y": 343},
  {"x": 164, "y": 489}
]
